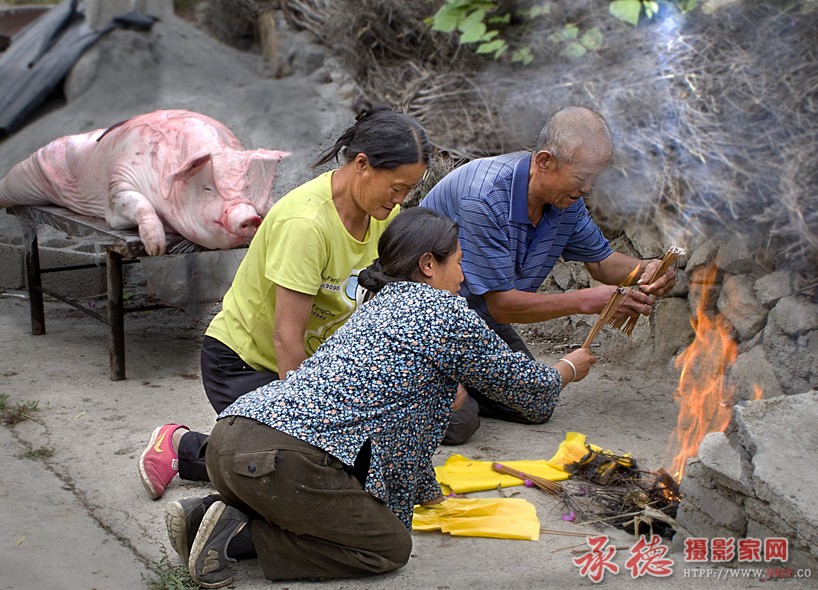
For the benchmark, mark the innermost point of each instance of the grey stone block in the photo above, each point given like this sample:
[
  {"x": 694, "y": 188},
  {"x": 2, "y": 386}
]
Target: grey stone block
[
  {"x": 760, "y": 511},
  {"x": 697, "y": 472},
  {"x": 671, "y": 329},
  {"x": 774, "y": 286},
  {"x": 736, "y": 255},
  {"x": 727, "y": 464},
  {"x": 751, "y": 370},
  {"x": 703, "y": 255},
  {"x": 645, "y": 241},
  {"x": 737, "y": 303},
  {"x": 793, "y": 359},
  {"x": 795, "y": 316},
  {"x": 682, "y": 286},
  {"x": 725, "y": 509},
  {"x": 699, "y": 524},
  {"x": 799, "y": 556},
  {"x": 780, "y": 433}
]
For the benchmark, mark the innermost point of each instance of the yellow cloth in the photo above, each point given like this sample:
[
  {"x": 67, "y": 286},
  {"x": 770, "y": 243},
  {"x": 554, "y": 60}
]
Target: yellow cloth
[
  {"x": 502, "y": 518},
  {"x": 462, "y": 475}
]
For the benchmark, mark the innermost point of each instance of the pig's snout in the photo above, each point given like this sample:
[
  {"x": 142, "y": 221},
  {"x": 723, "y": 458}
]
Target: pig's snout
[{"x": 242, "y": 220}]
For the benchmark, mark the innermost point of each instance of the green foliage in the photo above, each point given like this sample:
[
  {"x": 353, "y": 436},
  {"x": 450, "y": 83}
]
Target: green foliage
[
  {"x": 472, "y": 19},
  {"x": 482, "y": 24},
  {"x": 39, "y": 454},
  {"x": 629, "y": 11},
  {"x": 20, "y": 412},
  {"x": 170, "y": 577}
]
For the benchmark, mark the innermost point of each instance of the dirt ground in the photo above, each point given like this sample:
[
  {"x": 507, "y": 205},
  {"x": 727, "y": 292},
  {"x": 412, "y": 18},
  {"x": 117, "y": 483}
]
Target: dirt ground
[{"x": 77, "y": 516}]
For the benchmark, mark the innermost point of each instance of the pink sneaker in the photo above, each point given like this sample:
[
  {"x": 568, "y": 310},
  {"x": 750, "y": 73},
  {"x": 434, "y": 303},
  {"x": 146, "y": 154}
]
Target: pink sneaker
[{"x": 159, "y": 463}]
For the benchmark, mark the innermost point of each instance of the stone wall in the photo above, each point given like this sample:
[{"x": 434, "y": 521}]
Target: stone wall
[{"x": 758, "y": 482}]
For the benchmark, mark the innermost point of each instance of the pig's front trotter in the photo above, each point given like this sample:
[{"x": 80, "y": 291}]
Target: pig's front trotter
[{"x": 130, "y": 209}]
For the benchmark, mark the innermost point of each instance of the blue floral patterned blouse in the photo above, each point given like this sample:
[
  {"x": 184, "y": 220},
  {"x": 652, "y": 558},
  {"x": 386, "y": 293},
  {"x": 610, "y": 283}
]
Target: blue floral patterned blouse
[{"x": 390, "y": 375}]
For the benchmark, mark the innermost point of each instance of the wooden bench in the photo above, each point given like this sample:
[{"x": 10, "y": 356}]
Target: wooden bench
[{"x": 120, "y": 246}]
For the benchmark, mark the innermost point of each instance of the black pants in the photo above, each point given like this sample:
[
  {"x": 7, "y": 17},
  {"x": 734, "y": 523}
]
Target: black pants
[
  {"x": 465, "y": 421},
  {"x": 309, "y": 516},
  {"x": 225, "y": 378}
]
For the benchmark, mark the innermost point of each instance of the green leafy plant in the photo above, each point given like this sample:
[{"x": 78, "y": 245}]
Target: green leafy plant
[
  {"x": 575, "y": 45},
  {"x": 630, "y": 11},
  {"x": 472, "y": 19},
  {"x": 39, "y": 454},
  {"x": 169, "y": 577},
  {"x": 18, "y": 413},
  {"x": 483, "y": 23}
]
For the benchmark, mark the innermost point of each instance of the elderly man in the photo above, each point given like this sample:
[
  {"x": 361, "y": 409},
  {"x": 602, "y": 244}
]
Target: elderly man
[{"x": 518, "y": 214}]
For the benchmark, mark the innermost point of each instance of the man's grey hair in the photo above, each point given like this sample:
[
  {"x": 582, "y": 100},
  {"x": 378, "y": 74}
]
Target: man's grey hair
[{"x": 568, "y": 129}]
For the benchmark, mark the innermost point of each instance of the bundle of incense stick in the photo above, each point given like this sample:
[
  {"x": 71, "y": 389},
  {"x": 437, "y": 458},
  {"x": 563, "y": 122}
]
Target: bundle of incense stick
[
  {"x": 607, "y": 314},
  {"x": 545, "y": 485},
  {"x": 628, "y": 324}
]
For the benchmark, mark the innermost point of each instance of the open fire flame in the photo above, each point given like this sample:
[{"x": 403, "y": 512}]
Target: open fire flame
[{"x": 705, "y": 402}]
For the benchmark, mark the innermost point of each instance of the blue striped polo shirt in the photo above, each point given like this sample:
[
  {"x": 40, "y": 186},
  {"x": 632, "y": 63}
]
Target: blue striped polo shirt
[{"x": 502, "y": 249}]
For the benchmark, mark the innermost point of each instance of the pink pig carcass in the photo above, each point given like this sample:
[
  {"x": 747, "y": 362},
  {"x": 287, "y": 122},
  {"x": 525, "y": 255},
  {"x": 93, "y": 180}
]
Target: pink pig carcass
[{"x": 174, "y": 169}]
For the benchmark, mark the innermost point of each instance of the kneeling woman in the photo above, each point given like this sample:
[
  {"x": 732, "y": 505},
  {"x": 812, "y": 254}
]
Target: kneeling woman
[{"x": 318, "y": 474}]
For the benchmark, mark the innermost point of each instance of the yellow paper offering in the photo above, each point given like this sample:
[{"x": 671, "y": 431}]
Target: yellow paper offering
[
  {"x": 501, "y": 518},
  {"x": 461, "y": 475}
]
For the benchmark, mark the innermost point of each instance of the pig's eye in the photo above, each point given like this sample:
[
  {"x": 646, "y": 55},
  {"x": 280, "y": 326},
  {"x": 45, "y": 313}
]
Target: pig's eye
[{"x": 208, "y": 189}]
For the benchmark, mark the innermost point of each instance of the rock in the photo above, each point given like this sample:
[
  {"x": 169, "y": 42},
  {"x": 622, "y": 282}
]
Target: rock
[
  {"x": 803, "y": 558},
  {"x": 794, "y": 315},
  {"x": 645, "y": 241},
  {"x": 737, "y": 303},
  {"x": 671, "y": 329},
  {"x": 793, "y": 359},
  {"x": 703, "y": 255},
  {"x": 682, "y": 286},
  {"x": 736, "y": 255},
  {"x": 752, "y": 370},
  {"x": 716, "y": 454},
  {"x": 722, "y": 510},
  {"x": 699, "y": 524},
  {"x": 780, "y": 435},
  {"x": 100, "y": 12},
  {"x": 774, "y": 286},
  {"x": 82, "y": 75},
  {"x": 570, "y": 276}
]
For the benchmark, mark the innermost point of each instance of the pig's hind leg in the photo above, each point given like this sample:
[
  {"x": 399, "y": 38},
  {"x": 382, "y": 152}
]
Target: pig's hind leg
[
  {"x": 25, "y": 185},
  {"x": 130, "y": 208}
]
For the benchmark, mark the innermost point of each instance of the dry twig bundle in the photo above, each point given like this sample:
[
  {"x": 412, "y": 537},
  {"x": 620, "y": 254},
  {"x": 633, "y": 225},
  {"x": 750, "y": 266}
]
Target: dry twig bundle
[{"x": 624, "y": 496}]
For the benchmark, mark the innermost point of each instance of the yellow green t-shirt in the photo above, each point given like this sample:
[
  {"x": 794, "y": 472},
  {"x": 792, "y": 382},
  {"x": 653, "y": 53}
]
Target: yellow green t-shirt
[{"x": 301, "y": 245}]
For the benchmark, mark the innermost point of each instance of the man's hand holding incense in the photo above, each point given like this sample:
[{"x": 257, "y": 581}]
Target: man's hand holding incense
[
  {"x": 662, "y": 285},
  {"x": 635, "y": 304}
]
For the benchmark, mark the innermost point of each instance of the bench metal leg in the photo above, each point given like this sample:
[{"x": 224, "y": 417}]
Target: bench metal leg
[
  {"x": 33, "y": 281},
  {"x": 116, "y": 315}
]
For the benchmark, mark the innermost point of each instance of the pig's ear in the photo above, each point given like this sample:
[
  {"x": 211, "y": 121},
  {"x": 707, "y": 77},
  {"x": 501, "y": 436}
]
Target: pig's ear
[
  {"x": 192, "y": 165},
  {"x": 274, "y": 155},
  {"x": 260, "y": 177}
]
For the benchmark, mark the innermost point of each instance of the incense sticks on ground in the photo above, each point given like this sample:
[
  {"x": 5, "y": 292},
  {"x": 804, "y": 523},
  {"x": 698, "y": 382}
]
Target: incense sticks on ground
[{"x": 545, "y": 485}]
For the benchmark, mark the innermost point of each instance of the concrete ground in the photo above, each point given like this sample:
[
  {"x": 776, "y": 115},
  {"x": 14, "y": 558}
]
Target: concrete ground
[{"x": 80, "y": 517}]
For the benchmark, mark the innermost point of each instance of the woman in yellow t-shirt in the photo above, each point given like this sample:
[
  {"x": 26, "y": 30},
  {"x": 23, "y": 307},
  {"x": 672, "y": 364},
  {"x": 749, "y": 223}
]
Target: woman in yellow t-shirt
[{"x": 298, "y": 282}]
